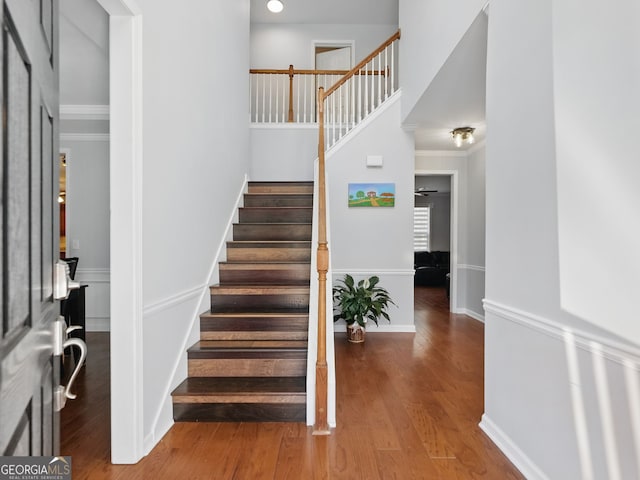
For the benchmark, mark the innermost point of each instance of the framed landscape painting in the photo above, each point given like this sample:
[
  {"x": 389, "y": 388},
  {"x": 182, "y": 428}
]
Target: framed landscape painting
[{"x": 372, "y": 194}]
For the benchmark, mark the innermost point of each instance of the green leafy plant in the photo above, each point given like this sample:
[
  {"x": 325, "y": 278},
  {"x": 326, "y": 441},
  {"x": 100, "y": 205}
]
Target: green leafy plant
[{"x": 357, "y": 303}]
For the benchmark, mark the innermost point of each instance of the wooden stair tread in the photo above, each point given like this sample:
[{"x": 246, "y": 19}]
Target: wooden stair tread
[
  {"x": 265, "y": 265},
  {"x": 269, "y": 243},
  {"x": 244, "y": 344},
  {"x": 203, "y": 348},
  {"x": 214, "y": 386},
  {"x": 268, "y": 224},
  {"x": 263, "y": 310},
  {"x": 307, "y": 183},
  {"x": 259, "y": 289},
  {"x": 287, "y": 313}
]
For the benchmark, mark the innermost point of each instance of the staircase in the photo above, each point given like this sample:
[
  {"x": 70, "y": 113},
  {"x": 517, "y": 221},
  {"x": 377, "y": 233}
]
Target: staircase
[{"x": 251, "y": 361}]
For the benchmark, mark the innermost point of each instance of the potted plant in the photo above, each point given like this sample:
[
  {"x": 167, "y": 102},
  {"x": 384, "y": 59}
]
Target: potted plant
[{"x": 358, "y": 303}]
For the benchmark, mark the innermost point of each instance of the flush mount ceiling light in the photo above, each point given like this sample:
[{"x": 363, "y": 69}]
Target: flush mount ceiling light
[
  {"x": 275, "y": 6},
  {"x": 462, "y": 134}
]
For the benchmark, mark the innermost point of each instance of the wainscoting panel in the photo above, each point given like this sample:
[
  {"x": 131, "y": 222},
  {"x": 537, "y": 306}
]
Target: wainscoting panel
[
  {"x": 561, "y": 401},
  {"x": 97, "y": 297},
  {"x": 471, "y": 290}
]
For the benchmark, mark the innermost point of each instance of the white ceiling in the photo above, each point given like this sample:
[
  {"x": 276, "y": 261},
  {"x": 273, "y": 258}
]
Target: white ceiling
[
  {"x": 456, "y": 97},
  {"x": 367, "y": 12}
]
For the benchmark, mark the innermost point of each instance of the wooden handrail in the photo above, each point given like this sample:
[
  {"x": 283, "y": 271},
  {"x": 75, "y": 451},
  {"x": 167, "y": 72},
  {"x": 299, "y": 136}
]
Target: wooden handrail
[
  {"x": 259, "y": 71},
  {"x": 321, "y": 426},
  {"x": 358, "y": 67}
]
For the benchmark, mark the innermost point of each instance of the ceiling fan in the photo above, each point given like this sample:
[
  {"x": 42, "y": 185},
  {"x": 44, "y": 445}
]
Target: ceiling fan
[{"x": 421, "y": 192}]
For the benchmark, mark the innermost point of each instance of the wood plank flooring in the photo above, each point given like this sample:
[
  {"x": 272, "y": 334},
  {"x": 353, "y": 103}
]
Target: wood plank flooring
[{"x": 408, "y": 408}]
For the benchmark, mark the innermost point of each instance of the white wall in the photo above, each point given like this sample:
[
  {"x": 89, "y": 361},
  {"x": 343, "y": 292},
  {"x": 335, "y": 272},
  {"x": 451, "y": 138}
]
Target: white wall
[
  {"x": 84, "y": 53},
  {"x": 283, "y": 152},
  {"x": 561, "y": 389},
  {"x": 87, "y": 213},
  {"x": 430, "y": 31},
  {"x": 375, "y": 241},
  {"x": 473, "y": 259},
  {"x": 277, "y": 46},
  {"x": 196, "y": 157}
]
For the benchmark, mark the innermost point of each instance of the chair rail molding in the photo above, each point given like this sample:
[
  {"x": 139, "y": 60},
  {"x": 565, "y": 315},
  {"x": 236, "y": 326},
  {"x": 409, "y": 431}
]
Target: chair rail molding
[
  {"x": 475, "y": 268},
  {"x": 85, "y": 137},
  {"x": 84, "y": 112}
]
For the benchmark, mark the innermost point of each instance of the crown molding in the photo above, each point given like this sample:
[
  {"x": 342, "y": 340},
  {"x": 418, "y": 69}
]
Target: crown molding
[
  {"x": 84, "y": 137},
  {"x": 84, "y": 112},
  {"x": 441, "y": 153}
]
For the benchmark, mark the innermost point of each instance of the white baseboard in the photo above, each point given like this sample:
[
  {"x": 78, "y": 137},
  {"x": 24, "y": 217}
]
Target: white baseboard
[
  {"x": 342, "y": 328},
  {"x": 470, "y": 313},
  {"x": 522, "y": 462}
]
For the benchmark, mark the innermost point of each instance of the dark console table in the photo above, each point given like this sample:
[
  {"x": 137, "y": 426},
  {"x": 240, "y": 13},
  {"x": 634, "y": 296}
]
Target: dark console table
[{"x": 73, "y": 311}]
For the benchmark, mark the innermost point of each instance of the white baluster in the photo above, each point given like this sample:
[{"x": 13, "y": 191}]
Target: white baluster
[
  {"x": 353, "y": 100},
  {"x": 379, "y": 79},
  {"x": 366, "y": 90},
  {"x": 304, "y": 100},
  {"x": 297, "y": 85},
  {"x": 263, "y": 80},
  {"x": 386, "y": 78},
  {"x": 393, "y": 68},
  {"x": 373, "y": 85},
  {"x": 340, "y": 114},
  {"x": 359, "y": 95},
  {"x": 278, "y": 98},
  {"x": 270, "y": 95},
  {"x": 333, "y": 116}
]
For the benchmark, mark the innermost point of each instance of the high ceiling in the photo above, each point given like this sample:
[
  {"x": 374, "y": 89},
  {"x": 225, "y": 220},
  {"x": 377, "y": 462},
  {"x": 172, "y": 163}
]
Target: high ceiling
[
  {"x": 455, "y": 98},
  {"x": 367, "y": 12}
]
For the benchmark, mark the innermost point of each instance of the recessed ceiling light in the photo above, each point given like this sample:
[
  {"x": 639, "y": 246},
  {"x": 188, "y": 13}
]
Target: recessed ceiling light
[{"x": 275, "y": 6}]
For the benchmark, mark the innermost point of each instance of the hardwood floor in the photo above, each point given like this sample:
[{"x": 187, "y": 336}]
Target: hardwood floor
[{"x": 408, "y": 408}]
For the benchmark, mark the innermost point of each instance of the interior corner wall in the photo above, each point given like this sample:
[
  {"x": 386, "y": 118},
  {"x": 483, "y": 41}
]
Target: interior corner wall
[
  {"x": 375, "y": 241},
  {"x": 430, "y": 31},
  {"x": 561, "y": 387},
  {"x": 196, "y": 158},
  {"x": 276, "y": 45},
  {"x": 87, "y": 214},
  {"x": 473, "y": 258}
]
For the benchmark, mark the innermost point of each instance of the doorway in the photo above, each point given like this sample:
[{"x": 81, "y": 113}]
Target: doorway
[{"x": 437, "y": 191}]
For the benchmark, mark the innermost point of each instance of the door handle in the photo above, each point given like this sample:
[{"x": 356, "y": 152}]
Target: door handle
[
  {"x": 61, "y": 343},
  {"x": 62, "y": 283}
]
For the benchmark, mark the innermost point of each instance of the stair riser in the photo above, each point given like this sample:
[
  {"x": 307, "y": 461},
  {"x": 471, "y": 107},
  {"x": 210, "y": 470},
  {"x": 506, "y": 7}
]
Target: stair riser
[
  {"x": 266, "y": 254},
  {"x": 244, "y": 398},
  {"x": 253, "y": 335},
  {"x": 275, "y": 215},
  {"x": 266, "y": 232},
  {"x": 248, "y": 324},
  {"x": 247, "y": 367},
  {"x": 276, "y": 200},
  {"x": 265, "y": 277},
  {"x": 238, "y": 412},
  {"x": 239, "y": 303}
]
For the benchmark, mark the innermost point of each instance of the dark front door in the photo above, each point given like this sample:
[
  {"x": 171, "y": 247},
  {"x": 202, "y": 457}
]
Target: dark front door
[{"x": 28, "y": 176}]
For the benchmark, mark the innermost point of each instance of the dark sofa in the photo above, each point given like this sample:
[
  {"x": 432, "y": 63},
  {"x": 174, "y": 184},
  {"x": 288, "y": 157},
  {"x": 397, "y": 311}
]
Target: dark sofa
[{"x": 431, "y": 268}]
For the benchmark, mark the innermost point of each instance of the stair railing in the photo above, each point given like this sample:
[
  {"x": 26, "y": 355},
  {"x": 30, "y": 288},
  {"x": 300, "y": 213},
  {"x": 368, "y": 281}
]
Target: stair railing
[
  {"x": 289, "y": 96},
  {"x": 343, "y": 106}
]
